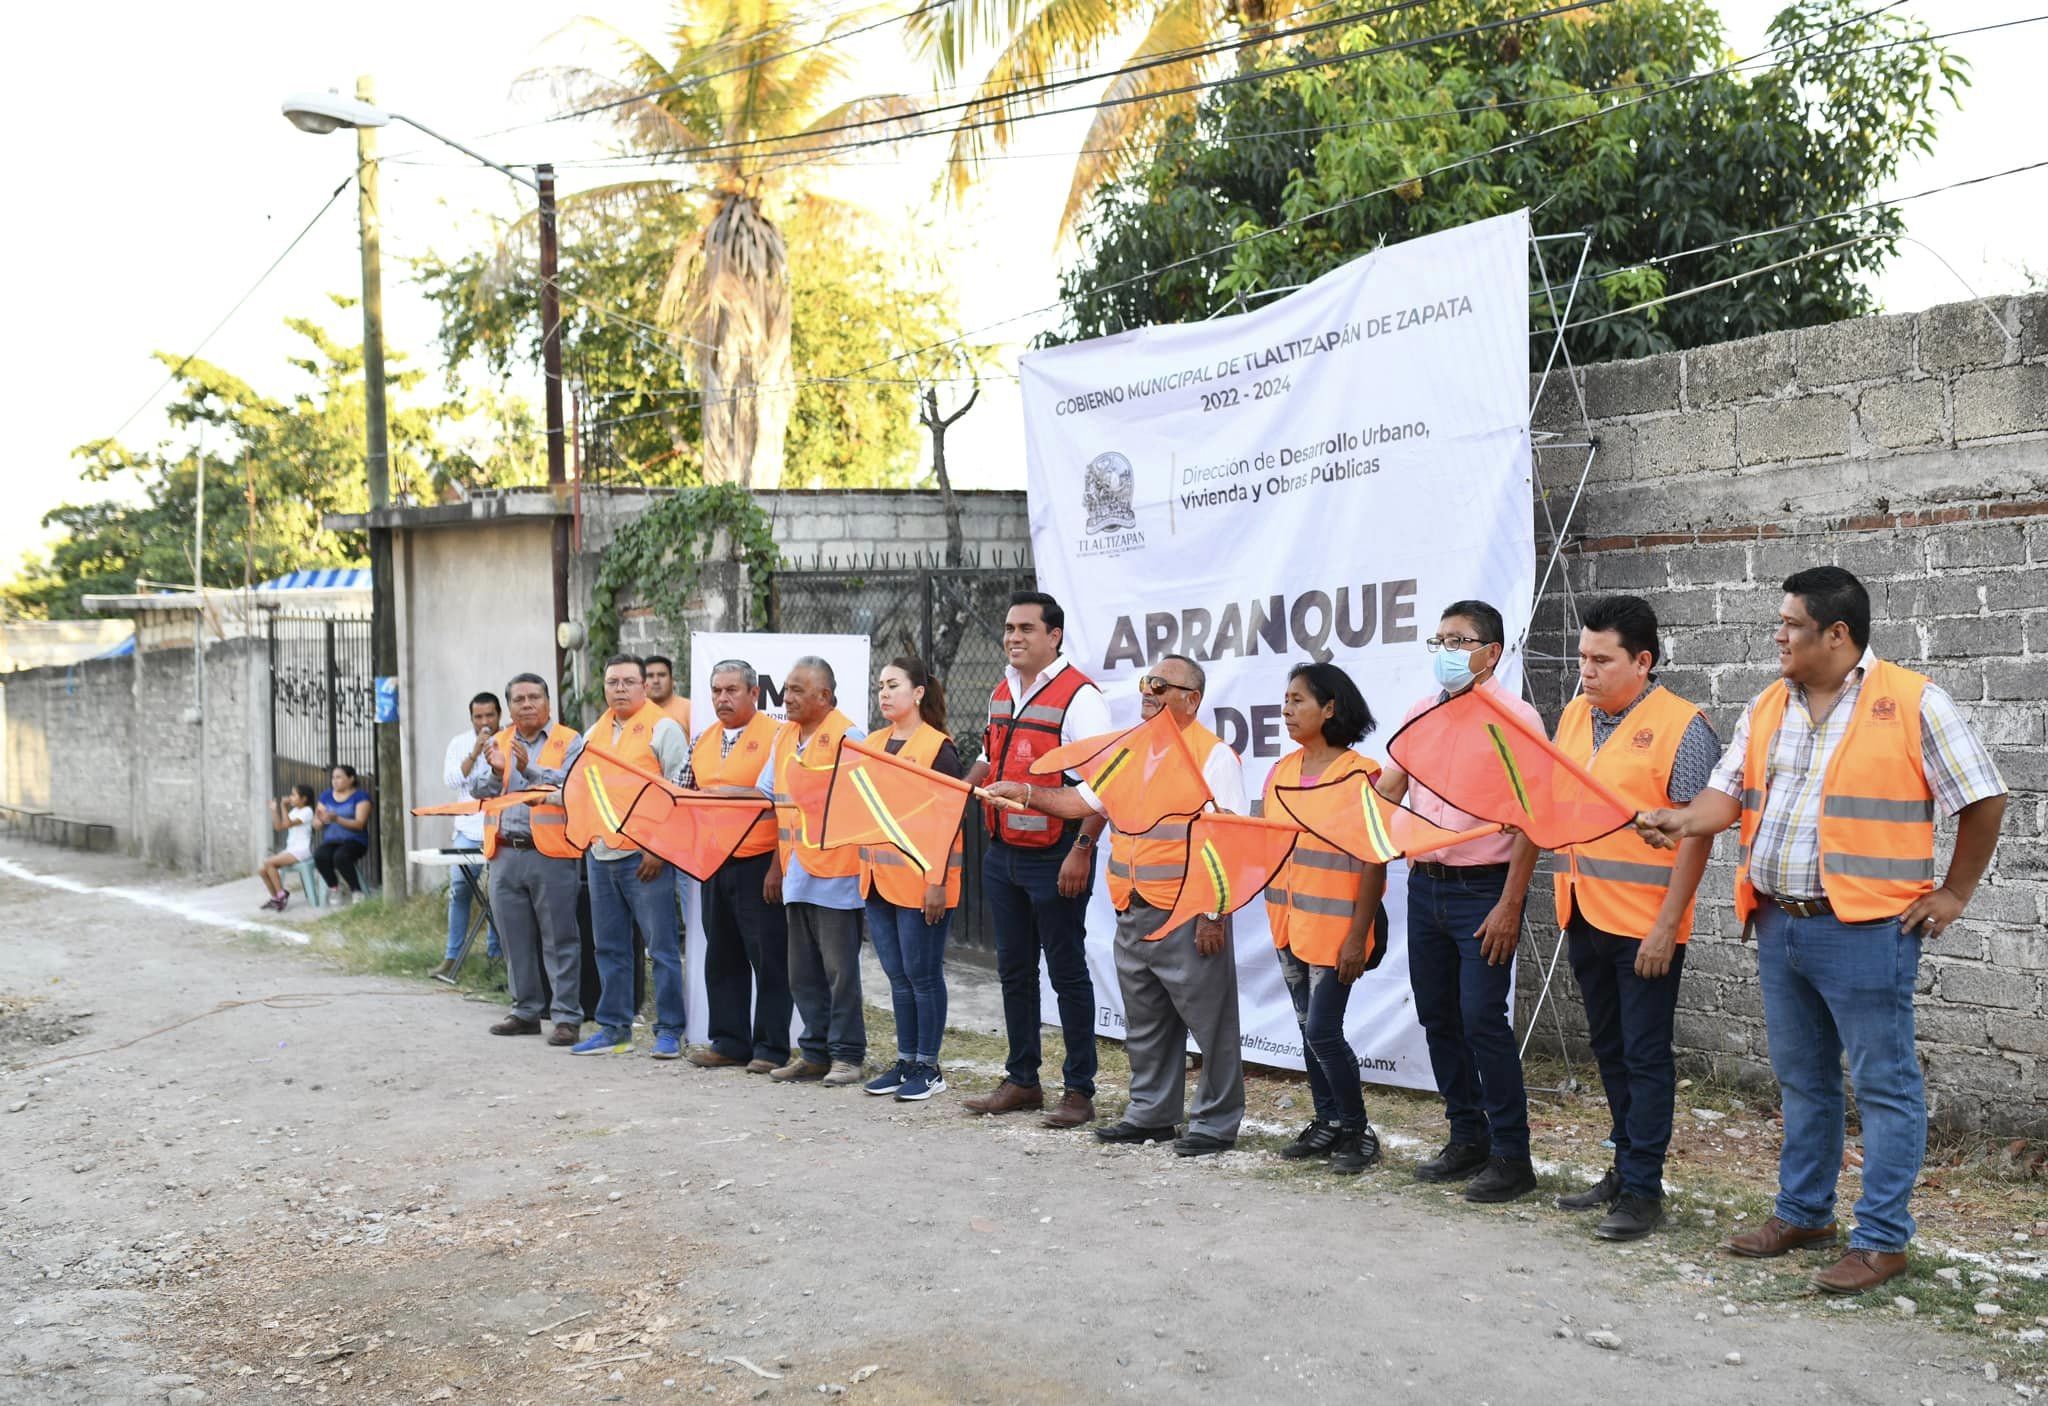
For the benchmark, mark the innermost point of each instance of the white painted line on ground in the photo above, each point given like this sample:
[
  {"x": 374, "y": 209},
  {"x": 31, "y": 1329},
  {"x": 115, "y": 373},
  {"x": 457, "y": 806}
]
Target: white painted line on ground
[{"x": 162, "y": 902}]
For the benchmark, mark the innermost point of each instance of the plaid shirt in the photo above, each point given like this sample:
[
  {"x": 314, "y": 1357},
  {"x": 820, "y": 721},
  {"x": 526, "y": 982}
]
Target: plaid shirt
[{"x": 1784, "y": 860}]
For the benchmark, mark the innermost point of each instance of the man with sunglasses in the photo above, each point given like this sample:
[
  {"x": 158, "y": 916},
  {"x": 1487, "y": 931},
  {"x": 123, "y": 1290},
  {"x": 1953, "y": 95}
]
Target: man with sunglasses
[
  {"x": 1178, "y": 983},
  {"x": 1464, "y": 921}
]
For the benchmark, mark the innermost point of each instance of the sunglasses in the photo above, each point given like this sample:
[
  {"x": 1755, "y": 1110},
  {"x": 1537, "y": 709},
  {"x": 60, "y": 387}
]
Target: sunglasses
[{"x": 1156, "y": 686}]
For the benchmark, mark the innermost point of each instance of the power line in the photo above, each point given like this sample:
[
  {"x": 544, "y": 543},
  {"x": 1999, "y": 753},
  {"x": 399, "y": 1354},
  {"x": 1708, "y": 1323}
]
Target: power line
[{"x": 226, "y": 317}]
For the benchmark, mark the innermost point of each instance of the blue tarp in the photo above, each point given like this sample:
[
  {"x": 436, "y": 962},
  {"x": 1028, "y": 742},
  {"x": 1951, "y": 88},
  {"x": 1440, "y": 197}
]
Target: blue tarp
[{"x": 328, "y": 578}]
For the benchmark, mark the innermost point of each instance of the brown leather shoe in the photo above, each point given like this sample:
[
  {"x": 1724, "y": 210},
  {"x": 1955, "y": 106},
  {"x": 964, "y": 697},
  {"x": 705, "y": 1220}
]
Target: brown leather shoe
[
  {"x": 1859, "y": 1271},
  {"x": 760, "y": 1066},
  {"x": 798, "y": 1070},
  {"x": 564, "y": 1033},
  {"x": 1074, "y": 1110},
  {"x": 516, "y": 1025},
  {"x": 704, "y": 1057},
  {"x": 1005, "y": 1097},
  {"x": 1774, "y": 1237}
]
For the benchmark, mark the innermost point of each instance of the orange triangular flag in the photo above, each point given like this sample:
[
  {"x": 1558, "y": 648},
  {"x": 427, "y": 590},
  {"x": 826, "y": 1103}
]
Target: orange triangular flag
[
  {"x": 487, "y": 807},
  {"x": 1230, "y": 859},
  {"x": 1348, "y": 814},
  {"x": 873, "y": 798},
  {"x": 1141, "y": 775},
  {"x": 598, "y": 792},
  {"x": 1478, "y": 755},
  {"x": 695, "y": 832},
  {"x": 468, "y": 807}
]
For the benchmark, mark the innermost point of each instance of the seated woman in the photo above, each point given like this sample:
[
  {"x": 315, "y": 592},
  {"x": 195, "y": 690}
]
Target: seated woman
[
  {"x": 293, "y": 814},
  {"x": 343, "y": 814}
]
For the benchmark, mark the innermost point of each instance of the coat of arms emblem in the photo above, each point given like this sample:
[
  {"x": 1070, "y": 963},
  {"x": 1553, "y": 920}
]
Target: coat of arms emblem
[{"x": 1106, "y": 490}]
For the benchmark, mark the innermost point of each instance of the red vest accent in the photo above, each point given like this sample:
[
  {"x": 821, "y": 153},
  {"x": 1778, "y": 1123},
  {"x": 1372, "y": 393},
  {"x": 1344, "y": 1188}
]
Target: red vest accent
[{"x": 1014, "y": 739}]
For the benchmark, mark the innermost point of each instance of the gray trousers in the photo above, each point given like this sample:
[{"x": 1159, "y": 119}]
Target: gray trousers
[
  {"x": 533, "y": 898},
  {"x": 824, "y": 977},
  {"x": 1171, "y": 991}
]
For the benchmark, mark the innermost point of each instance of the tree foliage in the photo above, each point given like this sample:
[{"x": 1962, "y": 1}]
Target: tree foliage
[
  {"x": 1302, "y": 172},
  {"x": 274, "y": 467}
]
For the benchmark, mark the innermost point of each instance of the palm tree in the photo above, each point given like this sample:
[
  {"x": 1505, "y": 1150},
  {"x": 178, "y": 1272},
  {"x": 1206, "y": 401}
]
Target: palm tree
[
  {"x": 1042, "y": 41},
  {"x": 742, "y": 104}
]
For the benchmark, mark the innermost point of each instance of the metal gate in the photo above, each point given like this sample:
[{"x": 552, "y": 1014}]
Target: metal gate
[
  {"x": 323, "y": 708},
  {"x": 951, "y": 617}
]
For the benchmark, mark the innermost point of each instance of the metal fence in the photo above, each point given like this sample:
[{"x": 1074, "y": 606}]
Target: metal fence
[
  {"x": 951, "y": 617},
  {"x": 323, "y": 707}
]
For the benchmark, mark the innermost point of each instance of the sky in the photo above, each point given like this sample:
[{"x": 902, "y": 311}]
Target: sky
[{"x": 162, "y": 193}]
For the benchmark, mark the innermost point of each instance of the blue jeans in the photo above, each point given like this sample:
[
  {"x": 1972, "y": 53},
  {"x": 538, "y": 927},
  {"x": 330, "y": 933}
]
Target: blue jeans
[
  {"x": 1463, "y": 1006},
  {"x": 1319, "y": 1002},
  {"x": 913, "y": 954},
  {"x": 461, "y": 895},
  {"x": 618, "y": 900},
  {"x": 1628, "y": 1023},
  {"x": 1021, "y": 888},
  {"x": 1832, "y": 987}
]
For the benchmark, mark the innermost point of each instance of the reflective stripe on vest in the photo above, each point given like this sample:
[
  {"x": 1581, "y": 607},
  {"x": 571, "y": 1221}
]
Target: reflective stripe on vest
[
  {"x": 820, "y": 751},
  {"x": 1153, "y": 864},
  {"x": 1617, "y": 882},
  {"x": 1311, "y": 900},
  {"x": 883, "y": 868},
  {"x": 548, "y": 824},
  {"x": 1011, "y": 742},
  {"x": 1877, "y": 841},
  {"x": 742, "y": 766},
  {"x": 633, "y": 745}
]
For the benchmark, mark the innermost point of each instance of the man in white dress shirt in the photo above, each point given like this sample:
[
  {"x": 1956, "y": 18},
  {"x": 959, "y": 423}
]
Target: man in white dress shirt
[{"x": 465, "y": 755}]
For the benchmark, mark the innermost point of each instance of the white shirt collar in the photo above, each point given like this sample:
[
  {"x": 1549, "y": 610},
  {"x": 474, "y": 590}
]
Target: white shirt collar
[{"x": 1016, "y": 680}]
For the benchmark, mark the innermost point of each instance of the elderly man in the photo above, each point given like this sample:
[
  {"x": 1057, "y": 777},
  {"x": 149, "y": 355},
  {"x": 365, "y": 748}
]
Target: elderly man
[
  {"x": 746, "y": 937},
  {"x": 1464, "y": 922},
  {"x": 465, "y": 757},
  {"x": 1626, "y": 911},
  {"x": 1835, "y": 774},
  {"x": 819, "y": 889},
  {"x": 1177, "y": 982},
  {"x": 533, "y": 865},
  {"x": 629, "y": 886},
  {"x": 1038, "y": 870}
]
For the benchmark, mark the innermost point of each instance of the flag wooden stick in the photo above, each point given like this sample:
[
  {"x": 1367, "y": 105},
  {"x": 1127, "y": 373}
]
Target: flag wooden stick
[{"x": 999, "y": 801}]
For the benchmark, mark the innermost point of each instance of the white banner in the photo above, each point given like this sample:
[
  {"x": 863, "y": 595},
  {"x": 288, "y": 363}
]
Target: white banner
[
  {"x": 1316, "y": 479},
  {"x": 771, "y": 656}
]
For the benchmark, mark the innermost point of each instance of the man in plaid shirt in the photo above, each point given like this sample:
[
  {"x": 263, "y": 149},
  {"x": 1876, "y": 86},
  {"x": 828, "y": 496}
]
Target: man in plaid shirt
[{"x": 1835, "y": 773}]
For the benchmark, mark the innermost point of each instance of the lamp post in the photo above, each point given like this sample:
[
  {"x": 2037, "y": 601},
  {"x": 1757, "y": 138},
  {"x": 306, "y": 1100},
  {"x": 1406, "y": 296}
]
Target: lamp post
[{"x": 321, "y": 113}]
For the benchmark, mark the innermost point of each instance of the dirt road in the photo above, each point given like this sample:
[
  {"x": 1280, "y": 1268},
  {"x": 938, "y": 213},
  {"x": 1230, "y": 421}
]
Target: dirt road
[{"x": 344, "y": 1190}]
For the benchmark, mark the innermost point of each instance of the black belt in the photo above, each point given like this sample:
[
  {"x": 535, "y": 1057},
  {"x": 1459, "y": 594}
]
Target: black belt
[
  {"x": 1801, "y": 907},
  {"x": 1448, "y": 871},
  {"x": 516, "y": 841}
]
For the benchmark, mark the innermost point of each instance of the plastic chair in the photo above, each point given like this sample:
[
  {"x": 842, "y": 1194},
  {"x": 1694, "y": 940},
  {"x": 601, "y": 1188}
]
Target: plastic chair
[{"x": 312, "y": 883}]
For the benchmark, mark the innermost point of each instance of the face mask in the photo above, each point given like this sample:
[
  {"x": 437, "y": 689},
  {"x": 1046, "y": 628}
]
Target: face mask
[{"x": 1453, "y": 669}]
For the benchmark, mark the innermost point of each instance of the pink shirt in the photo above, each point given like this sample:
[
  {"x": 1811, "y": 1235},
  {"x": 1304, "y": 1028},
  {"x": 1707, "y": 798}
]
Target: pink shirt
[{"x": 1494, "y": 849}]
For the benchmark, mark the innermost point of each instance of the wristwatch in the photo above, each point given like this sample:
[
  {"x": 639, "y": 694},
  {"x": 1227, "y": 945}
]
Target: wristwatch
[{"x": 1084, "y": 842}]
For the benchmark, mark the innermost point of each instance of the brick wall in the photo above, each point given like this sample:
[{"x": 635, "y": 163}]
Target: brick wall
[{"x": 1913, "y": 451}]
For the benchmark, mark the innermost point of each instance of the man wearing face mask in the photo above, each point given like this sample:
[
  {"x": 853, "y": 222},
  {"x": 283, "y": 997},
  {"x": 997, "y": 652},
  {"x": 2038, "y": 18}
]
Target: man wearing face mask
[{"x": 1464, "y": 921}]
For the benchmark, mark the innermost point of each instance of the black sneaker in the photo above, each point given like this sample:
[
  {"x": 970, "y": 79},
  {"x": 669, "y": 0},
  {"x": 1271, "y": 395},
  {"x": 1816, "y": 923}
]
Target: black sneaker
[
  {"x": 1505, "y": 1179},
  {"x": 1201, "y": 1145},
  {"x": 1457, "y": 1161},
  {"x": 1120, "y": 1131},
  {"x": 1602, "y": 1193},
  {"x": 1315, "y": 1140},
  {"x": 1355, "y": 1150},
  {"x": 1632, "y": 1218}
]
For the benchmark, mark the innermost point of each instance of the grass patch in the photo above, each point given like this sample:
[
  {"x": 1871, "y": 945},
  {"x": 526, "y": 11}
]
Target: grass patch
[{"x": 376, "y": 937}]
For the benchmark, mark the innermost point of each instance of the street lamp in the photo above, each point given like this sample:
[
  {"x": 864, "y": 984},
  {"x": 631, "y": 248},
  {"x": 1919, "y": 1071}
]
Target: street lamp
[{"x": 319, "y": 114}]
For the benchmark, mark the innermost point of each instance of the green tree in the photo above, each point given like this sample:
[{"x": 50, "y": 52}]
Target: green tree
[
  {"x": 274, "y": 468},
  {"x": 1286, "y": 172}
]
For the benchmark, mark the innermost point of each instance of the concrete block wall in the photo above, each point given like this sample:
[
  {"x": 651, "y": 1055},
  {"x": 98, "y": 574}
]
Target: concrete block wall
[{"x": 1912, "y": 450}]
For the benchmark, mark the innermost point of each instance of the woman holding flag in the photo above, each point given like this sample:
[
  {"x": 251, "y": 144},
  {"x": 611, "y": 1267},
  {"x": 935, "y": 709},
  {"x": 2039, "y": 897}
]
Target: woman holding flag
[
  {"x": 1321, "y": 907},
  {"x": 908, "y": 917}
]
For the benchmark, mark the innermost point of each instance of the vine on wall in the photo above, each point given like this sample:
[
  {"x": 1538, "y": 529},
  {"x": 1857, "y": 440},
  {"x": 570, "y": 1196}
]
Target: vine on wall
[{"x": 659, "y": 557}]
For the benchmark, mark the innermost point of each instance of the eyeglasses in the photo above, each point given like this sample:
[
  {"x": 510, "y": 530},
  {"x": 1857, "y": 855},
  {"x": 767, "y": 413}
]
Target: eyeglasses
[
  {"x": 1464, "y": 642},
  {"x": 1157, "y": 686}
]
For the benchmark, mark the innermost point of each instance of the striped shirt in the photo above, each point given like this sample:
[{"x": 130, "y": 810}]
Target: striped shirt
[{"x": 1784, "y": 859}]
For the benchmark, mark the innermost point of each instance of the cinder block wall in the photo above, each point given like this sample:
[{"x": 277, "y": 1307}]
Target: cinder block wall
[{"x": 1913, "y": 451}]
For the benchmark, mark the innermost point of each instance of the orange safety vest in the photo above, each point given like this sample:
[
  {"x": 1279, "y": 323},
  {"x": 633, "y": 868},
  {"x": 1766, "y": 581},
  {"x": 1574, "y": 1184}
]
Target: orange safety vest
[
  {"x": 1877, "y": 839},
  {"x": 820, "y": 752},
  {"x": 550, "y": 832},
  {"x": 1153, "y": 864},
  {"x": 1310, "y": 901},
  {"x": 1014, "y": 738},
  {"x": 1617, "y": 881},
  {"x": 635, "y": 745},
  {"x": 883, "y": 868},
  {"x": 740, "y": 767},
  {"x": 678, "y": 707}
]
